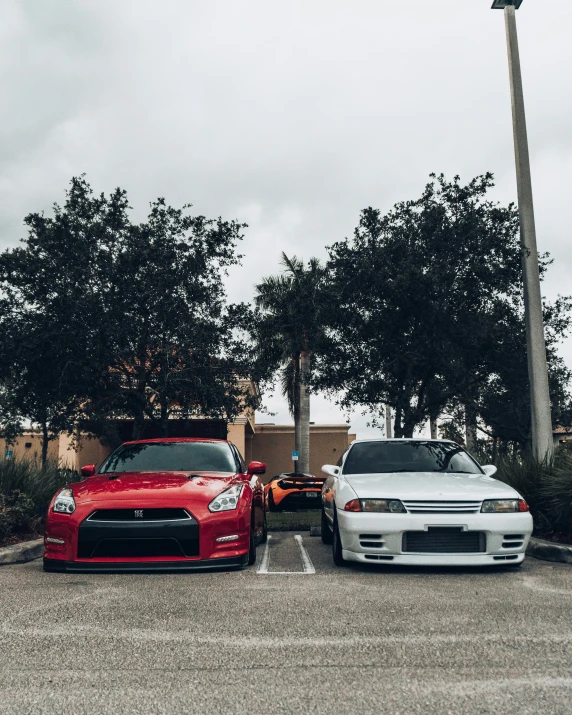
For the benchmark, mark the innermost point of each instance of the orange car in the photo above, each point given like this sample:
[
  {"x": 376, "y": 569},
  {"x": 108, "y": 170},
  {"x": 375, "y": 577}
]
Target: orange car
[{"x": 293, "y": 491}]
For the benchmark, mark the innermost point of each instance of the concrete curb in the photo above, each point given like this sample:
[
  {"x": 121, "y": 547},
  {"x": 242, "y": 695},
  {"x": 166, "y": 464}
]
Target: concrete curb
[
  {"x": 19, "y": 553},
  {"x": 549, "y": 551}
]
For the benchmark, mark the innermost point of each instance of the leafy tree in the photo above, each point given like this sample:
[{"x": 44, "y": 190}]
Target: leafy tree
[
  {"x": 421, "y": 302},
  {"x": 288, "y": 332},
  {"x": 140, "y": 308}
]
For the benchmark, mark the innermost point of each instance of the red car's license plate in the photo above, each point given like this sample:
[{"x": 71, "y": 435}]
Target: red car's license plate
[{"x": 312, "y": 495}]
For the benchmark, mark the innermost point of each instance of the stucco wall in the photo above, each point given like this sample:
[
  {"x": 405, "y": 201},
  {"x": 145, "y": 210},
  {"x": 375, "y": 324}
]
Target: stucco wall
[
  {"x": 34, "y": 452},
  {"x": 273, "y": 444}
]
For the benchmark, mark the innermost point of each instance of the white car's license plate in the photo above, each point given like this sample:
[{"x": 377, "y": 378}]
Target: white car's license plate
[{"x": 312, "y": 495}]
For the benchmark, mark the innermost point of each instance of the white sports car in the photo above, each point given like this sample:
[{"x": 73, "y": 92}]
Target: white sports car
[{"x": 420, "y": 502}]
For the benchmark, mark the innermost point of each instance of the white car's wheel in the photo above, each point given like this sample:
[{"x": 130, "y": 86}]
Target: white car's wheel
[
  {"x": 337, "y": 545},
  {"x": 325, "y": 530}
]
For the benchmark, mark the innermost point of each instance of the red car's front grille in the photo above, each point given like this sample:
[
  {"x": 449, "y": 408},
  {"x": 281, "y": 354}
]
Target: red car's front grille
[
  {"x": 137, "y": 537},
  {"x": 138, "y": 515}
]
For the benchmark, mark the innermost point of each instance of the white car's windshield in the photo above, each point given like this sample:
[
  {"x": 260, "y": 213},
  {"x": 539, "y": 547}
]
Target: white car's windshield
[
  {"x": 171, "y": 457},
  {"x": 408, "y": 456}
]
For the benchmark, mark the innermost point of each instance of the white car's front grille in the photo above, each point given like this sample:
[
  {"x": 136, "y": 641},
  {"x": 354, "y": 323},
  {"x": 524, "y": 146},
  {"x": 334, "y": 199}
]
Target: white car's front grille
[{"x": 441, "y": 507}]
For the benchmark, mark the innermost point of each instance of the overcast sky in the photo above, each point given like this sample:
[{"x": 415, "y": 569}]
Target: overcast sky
[{"x": 291, "y": 116}]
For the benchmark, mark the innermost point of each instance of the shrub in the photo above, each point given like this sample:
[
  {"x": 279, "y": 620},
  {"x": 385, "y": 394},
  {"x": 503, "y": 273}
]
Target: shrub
[
  {"x": 547, "y": 487},
  {"x": 26, "y": 489}
]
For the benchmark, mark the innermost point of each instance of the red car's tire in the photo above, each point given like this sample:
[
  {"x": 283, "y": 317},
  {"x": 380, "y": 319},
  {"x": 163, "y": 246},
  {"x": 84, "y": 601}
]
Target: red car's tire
[{"x": 252, "y": 550}]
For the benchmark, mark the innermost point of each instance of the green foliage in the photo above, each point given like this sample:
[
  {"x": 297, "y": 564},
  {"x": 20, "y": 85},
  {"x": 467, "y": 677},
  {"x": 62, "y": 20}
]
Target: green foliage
[
  {"x": 115, "y": 319},
  {"x": 425, "y": 312},
  {"x": 547, "y": 487},
  {"x": 290, "y": 320},
  {"x": 26, "y": 489}
]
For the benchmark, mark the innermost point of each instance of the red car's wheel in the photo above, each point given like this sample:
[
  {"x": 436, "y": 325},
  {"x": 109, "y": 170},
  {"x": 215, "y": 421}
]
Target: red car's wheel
[{"x": 252, "y": 550}]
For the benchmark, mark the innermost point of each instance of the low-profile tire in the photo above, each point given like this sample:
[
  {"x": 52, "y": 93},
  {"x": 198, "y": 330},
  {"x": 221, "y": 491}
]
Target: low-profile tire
[
  {"x": 271, "y": 505},
  {"x": 264, "y": 538},
  {"x": 252, "y": 549},
  {"x": 337, "y": 545},
  {"x": 325, "y": 529}
]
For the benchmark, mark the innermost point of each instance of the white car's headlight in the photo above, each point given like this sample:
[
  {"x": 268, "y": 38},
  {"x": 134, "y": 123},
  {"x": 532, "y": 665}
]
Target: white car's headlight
[
  {"x": 65, "y": 503},
  {"x": 504, "y": 506},
  {"x": 390, "y": 506},
  {"x": 227, "y": 500}
]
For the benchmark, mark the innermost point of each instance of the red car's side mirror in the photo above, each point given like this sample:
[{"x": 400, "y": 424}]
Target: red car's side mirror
[
  {"x": 88, "y": 470},
  {"x": 257, "y": 468}
]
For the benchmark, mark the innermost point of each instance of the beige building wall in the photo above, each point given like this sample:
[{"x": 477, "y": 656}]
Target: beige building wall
[
  {"x": 29, "y": 446},
  {"x": 91, "y": 451},
  {"x": 273, "y": 444}
]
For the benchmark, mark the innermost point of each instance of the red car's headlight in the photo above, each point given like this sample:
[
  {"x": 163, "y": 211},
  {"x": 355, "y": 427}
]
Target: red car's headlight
[
  {"x": 226, "y": 500},
  {"x": 64, "y": 503}
]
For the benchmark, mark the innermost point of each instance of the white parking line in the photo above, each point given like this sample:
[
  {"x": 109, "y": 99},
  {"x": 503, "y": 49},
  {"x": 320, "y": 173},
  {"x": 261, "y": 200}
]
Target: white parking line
[
  {"x": 307, "y": 564},
  {"x": 306, "y": 561},
  {"x": 263, "y": 565}
]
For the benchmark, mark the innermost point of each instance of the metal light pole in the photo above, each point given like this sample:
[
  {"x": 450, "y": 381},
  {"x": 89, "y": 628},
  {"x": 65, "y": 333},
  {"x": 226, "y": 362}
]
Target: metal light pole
[{"x": 542, "y": 440}]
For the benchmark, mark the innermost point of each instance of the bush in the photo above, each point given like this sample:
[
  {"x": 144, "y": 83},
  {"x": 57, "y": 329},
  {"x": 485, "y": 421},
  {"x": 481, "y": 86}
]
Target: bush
[
  {"x": 26, "y": 489},
  {"x": 547, "y": 487}
]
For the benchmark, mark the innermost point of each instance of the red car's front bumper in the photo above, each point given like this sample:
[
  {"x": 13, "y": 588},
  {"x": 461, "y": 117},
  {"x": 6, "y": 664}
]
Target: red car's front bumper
[{"x": 83, "y": 541}]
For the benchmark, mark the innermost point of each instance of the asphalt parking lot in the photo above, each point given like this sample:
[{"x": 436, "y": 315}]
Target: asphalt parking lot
[{"x": 292, "y": 634}]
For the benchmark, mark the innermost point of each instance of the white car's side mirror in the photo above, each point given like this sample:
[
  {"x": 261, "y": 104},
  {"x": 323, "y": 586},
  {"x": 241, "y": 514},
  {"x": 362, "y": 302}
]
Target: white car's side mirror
[
  {"x": 489, "y": 470},
  {"x": 331, "y": 470}
]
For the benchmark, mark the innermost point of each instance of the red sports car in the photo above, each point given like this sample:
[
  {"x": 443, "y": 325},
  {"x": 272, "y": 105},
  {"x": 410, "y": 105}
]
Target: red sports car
[{"x": 157, "y": 505}]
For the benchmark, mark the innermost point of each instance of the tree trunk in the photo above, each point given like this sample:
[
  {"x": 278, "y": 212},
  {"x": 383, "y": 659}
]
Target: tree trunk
[
  {"x": 45, "y": 442},
  {"x": 470, "y": 428},
  {"x": 164, "y": 422},
  {"x": 397, "y": 431},
  {"x": 304, "y": 421},
  {"x": 408, "y": 427},
  {"x": 138, "y": 425},
  {"x": 296, "y": 406},
  {"x": 388, "y": 422},
  {"x": 433, "y": 427}
]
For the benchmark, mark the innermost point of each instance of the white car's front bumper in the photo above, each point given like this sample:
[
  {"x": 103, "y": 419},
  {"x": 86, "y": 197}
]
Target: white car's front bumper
[{"x": 358, "y": 529}]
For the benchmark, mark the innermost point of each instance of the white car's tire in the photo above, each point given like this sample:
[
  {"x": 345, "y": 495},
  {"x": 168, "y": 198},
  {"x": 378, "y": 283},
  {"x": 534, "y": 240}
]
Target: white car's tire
[
  {"x": 326, "y": 532},
  {"x": 337, "y": 545}
]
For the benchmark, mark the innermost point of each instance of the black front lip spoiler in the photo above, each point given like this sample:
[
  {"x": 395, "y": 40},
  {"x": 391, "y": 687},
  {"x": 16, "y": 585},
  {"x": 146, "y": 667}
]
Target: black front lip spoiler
[{"x": 142, "y": 566}]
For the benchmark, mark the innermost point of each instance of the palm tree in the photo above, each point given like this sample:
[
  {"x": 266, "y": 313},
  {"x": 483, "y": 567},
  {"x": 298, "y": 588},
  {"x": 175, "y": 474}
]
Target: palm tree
[{"x": 290, "y": 329}]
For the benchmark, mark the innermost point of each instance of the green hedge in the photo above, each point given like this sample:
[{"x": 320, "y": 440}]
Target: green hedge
[{"x": 26, "y": 489}]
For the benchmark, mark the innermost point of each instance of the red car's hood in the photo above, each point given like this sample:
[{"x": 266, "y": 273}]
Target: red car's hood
[{"x": 151, "y": 486}]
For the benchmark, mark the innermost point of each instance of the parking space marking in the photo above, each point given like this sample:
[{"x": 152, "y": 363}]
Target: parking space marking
[
  {"x": 263, "y": 565},
  {"x": 306, "y": 561},
  {"x": 307, "y": 565}
]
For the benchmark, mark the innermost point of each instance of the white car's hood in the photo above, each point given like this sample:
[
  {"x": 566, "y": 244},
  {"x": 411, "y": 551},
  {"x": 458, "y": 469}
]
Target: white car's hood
[{"x": 428, "y": 485}]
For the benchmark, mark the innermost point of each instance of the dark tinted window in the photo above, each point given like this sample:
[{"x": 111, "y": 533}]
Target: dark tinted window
[
  {"x": 405, "y": 456},
  {"x": 171, "y": 457}
]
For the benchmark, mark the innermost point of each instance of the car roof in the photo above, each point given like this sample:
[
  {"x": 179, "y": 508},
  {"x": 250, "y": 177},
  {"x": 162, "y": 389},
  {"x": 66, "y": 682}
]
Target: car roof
[
  {"x": 160, "y": 440},
  {"x": 400, "y": 439}
]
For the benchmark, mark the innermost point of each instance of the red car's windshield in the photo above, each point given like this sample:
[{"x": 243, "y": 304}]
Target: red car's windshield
[{"x": 171, "y": 457}]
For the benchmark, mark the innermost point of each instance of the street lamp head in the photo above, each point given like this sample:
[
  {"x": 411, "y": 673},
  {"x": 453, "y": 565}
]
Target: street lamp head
[{"x": 501, "y": 4}]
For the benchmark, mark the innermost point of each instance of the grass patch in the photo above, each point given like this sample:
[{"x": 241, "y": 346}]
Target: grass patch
[{"x": 293, "y": 520}]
